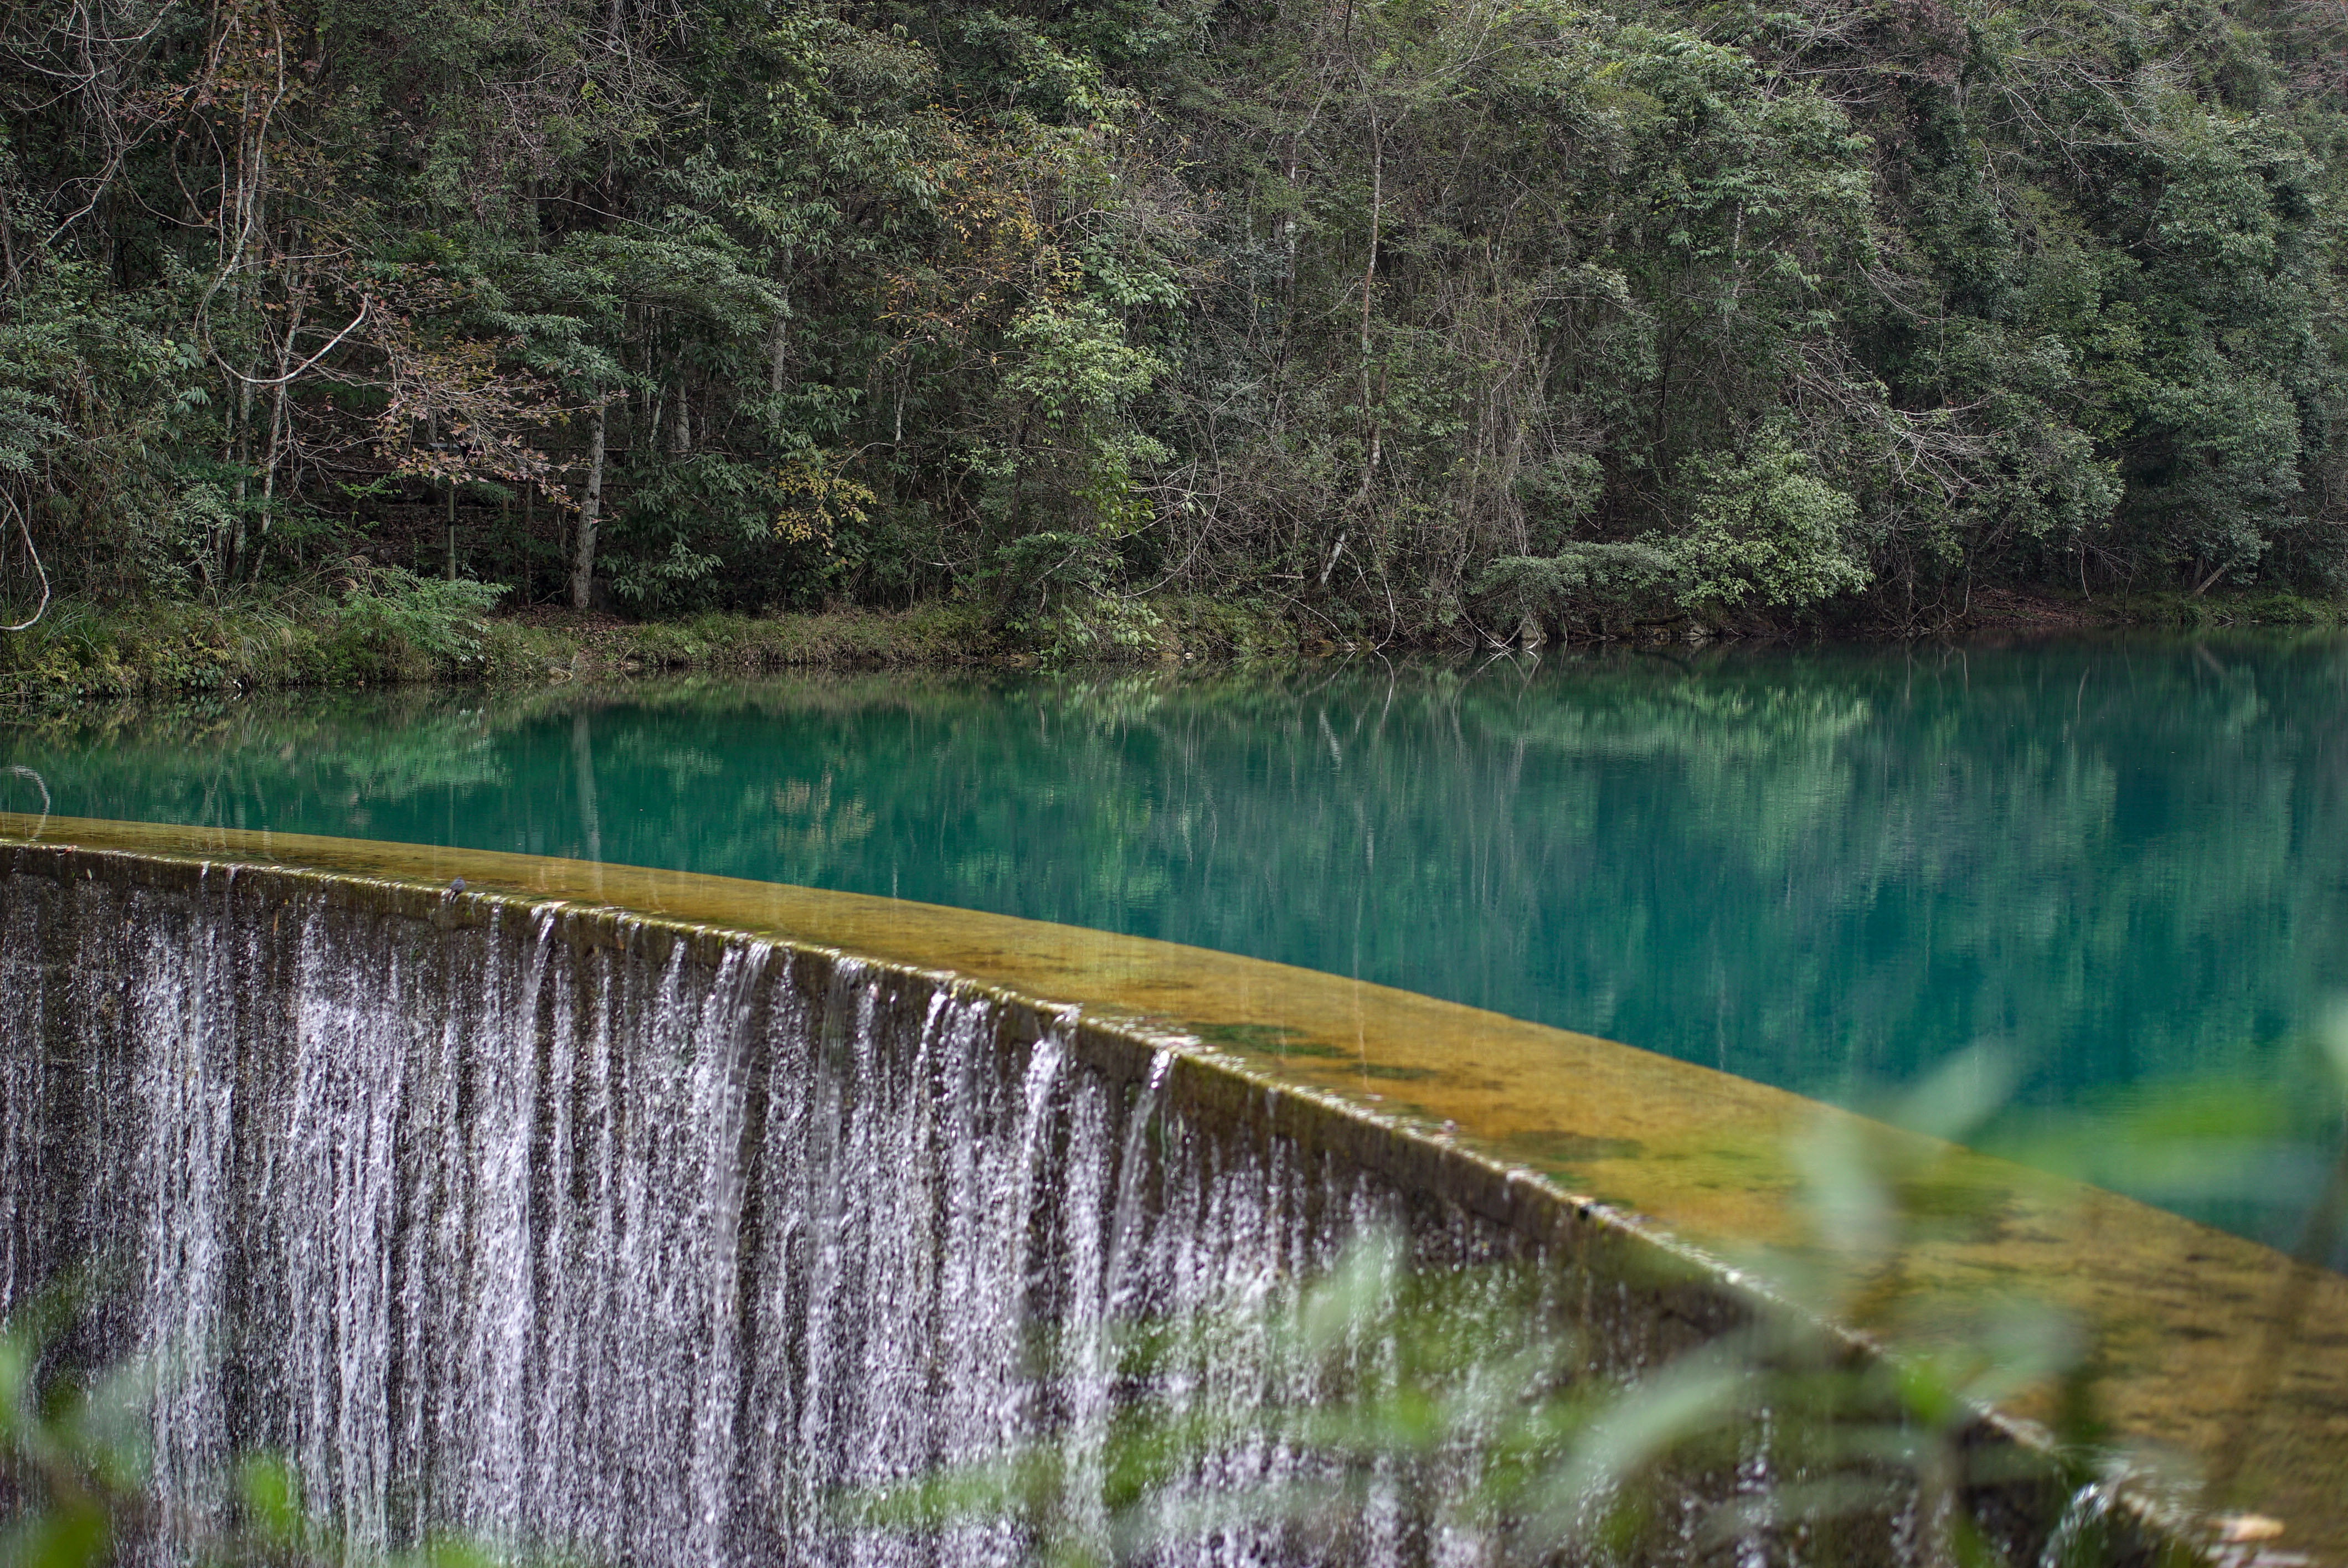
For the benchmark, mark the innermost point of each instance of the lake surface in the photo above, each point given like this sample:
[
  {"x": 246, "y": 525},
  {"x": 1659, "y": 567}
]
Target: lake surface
[{"x": 2123, "y": 864}]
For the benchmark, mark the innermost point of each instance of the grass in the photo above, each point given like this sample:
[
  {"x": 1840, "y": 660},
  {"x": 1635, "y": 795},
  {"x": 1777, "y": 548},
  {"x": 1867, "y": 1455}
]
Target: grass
[
  {"x": 395, "y": 627},
  {"x": 2256, "y": 608}
]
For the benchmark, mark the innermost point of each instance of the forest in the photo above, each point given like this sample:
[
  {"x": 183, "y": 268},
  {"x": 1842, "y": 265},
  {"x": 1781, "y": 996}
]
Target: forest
[{"x": 1410, "y": 315}]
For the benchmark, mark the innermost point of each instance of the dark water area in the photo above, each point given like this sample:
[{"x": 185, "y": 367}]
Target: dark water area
[{"x": 2121, "y": 864}]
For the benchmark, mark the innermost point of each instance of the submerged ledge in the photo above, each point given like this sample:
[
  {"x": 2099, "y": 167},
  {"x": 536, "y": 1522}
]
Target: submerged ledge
[{"x": 1654, "y": 1171}]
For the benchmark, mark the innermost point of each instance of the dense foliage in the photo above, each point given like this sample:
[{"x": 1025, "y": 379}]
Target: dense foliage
[{"x": 1406, "y": 313}]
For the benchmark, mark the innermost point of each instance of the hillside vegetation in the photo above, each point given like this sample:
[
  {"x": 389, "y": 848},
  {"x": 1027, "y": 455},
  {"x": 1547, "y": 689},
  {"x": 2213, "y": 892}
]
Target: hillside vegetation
[{"x": 1402, "y": 315}]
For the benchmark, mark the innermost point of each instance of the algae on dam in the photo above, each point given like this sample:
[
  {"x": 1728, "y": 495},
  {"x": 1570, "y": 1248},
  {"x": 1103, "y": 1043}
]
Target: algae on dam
[
  {"x": 586, "y": 1231},
  {"x": 643, "y": 1213}
]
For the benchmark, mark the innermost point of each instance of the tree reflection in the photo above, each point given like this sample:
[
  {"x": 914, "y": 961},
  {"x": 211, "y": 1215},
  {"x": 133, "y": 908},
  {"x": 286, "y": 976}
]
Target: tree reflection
[{"x": 1823, "y": 867}]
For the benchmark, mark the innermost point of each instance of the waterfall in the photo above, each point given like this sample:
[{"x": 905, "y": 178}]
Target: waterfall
[
  {"x": 578, "y": 1232},
  {"x": 582, "y": 1233}
]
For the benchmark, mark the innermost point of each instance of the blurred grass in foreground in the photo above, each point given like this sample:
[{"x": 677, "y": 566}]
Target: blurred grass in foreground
[
  {"x": 1445, "y": 1409},
  {"x": 1448, "y": 1399}
]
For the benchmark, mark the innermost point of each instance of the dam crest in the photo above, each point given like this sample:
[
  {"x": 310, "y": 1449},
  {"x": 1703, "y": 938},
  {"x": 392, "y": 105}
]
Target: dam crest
[{"x": 611, "y": 1234}]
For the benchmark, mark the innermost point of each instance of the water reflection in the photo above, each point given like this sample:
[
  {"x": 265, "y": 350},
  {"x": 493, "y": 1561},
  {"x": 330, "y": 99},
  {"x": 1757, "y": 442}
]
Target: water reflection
[{"x": 1825, "y": 868}]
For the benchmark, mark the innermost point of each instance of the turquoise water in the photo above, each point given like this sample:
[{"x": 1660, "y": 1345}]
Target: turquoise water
[{"x": 2123, "y": 864}]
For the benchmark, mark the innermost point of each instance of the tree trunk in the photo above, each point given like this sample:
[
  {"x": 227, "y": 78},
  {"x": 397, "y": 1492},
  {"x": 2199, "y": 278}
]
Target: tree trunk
[
  {"x": 451, "y": 572},
  {"x": 583, "y": 564},
  {"x": 1370, "y": 429}
]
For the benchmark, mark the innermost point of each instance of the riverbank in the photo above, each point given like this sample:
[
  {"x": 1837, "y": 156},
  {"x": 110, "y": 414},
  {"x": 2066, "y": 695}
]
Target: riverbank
[{"x": 401, "y": 629}]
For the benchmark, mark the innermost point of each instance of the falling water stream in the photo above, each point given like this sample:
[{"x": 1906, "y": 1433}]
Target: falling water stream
[{"x": 579, "y": 1232}]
